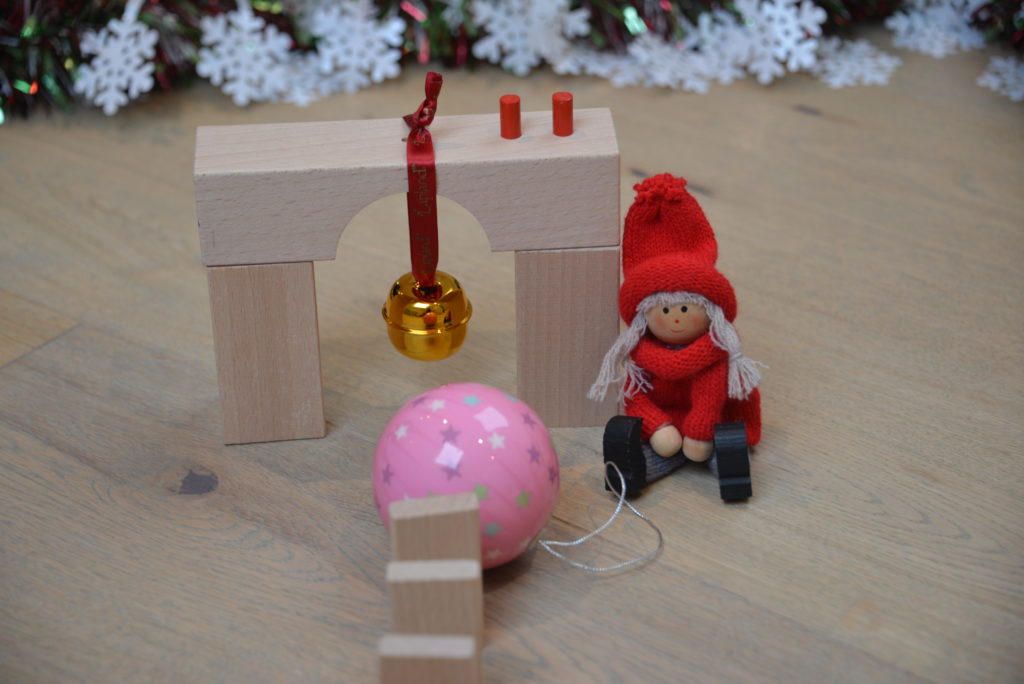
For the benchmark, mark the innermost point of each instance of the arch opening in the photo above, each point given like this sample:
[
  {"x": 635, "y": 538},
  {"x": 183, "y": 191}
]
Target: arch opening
[{"x": 361, "y": 370}]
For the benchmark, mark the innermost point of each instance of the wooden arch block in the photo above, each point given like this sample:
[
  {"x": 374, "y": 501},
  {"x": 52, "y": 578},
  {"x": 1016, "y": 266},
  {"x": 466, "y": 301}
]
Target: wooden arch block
[
  {"x": 284, "y": 192},
  {"x": 271, "y": 195}
]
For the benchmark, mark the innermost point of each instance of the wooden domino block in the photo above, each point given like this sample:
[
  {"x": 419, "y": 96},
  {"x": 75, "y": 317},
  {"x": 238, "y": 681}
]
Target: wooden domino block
[
  {"x": 557, "y": 360},
  {"x": 437, "y": 597},
  {"x": 429, "y": 659},
  {"x": 268, "y": 351},
  {"x": 435, "y": 528}
]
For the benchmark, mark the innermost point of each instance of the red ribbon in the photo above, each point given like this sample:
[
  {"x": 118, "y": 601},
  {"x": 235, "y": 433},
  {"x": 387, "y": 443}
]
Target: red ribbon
[{"x": 422, "y": 195}]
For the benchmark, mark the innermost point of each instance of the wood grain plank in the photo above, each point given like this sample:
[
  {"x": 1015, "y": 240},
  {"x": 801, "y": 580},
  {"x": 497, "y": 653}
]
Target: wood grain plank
[
  {"x": 873, "y": 238},
  {"x": 25, "y": 325}
]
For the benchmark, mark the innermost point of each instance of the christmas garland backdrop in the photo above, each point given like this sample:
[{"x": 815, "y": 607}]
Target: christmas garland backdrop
[{"x": 54, "y": 53}]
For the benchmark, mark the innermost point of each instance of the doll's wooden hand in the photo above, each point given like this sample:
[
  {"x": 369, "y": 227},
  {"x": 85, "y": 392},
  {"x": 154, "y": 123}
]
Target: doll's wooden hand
[
  {"x": 666, "y": 441},
  {"x": 694, "y": 449}
]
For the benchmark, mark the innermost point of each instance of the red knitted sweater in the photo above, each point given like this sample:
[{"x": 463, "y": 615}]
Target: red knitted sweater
[{"x": 689, "y": 390}]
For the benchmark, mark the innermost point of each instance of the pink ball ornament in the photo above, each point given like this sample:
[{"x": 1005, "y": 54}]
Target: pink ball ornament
[{"x": 467, "y": 437}]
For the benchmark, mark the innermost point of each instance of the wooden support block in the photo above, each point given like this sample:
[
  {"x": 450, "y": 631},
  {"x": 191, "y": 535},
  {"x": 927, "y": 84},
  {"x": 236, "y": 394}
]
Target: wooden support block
[
  {"x": 284, "y": 192},
  {"x": 567, "y": 318},
  {"x": 429, "y": 659},
  {"x": 437, "y": 597},
  {"x": 268, "y": 351},
  {"x": 435, "y": 528}
]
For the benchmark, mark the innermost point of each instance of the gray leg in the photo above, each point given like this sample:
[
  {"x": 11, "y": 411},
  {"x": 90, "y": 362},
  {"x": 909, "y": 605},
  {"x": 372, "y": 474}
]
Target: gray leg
[{"x": 657, "y": 466}]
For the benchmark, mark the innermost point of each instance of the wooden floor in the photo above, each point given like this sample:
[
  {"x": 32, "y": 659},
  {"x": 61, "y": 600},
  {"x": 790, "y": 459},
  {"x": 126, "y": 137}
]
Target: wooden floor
[{"x": 874, "y": 237}]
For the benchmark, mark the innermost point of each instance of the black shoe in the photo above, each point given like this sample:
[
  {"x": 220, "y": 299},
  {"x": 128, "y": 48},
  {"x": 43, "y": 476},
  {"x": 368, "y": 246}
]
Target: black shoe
[
  {"x": 733, "y": 460},
  {"x": 622, "y": 446}
]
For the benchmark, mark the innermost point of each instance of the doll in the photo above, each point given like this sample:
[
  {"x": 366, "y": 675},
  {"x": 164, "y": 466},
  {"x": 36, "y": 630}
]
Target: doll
[{"x": 678, "y": 364}]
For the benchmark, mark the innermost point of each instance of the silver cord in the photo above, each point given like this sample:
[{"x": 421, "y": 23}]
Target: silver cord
[{"x": 547, "y": 543}]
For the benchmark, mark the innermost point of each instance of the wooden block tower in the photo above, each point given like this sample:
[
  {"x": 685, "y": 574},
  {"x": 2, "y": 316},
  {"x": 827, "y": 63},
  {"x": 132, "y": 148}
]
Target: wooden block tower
[
  {"x": 272, "y": 199},
  {"x": 436, "y": 587}
]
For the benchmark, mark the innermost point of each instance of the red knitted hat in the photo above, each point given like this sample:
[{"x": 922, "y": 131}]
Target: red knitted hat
[{"x": 668, "y": 246}]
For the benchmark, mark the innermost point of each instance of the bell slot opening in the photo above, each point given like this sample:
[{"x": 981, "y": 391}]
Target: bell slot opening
[{"x": 365, "y": 377}]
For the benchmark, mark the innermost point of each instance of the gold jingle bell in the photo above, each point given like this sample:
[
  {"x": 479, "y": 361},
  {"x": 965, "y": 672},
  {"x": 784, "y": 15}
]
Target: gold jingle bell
[{"x": 427, "y": 323}]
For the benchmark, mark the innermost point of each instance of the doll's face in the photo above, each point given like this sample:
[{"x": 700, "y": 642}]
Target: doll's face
[{"x": 678, "y": 324}]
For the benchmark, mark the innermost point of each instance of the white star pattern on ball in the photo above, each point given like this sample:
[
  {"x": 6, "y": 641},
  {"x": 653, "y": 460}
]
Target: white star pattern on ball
[
  {"x": 437, "y": 405},
  {"x": 497, "y": 441},
  {"x": 401, "y": 431}
]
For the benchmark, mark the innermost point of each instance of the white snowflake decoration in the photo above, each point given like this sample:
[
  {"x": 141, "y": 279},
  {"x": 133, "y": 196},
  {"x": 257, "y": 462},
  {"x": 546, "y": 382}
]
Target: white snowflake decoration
[
  {"x": 725, "y": 45},
  {"x": 851, "y": 63},
  {"x": 667, "y": 65},
  {"x": 120, "y": 69},
  {"x": 248, "y": 57},
  {"x": 619, "y": 69},
  {"x": 523, "y": 32},
  {"x": 1005, "y": 75},
  {"x": 353, "y": 47},
  {"x": 453, "y": 13},
  {"x": 773, "y": 36},
  {"x": 306, "y": 84},
  {"x": 936, "y": 28},
  {"x": 781, "y": 34}
]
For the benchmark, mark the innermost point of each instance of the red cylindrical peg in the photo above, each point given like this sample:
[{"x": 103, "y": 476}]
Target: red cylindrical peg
[
  {"x": 510, "y": 123},
  {"x": 561, "y": 113}
]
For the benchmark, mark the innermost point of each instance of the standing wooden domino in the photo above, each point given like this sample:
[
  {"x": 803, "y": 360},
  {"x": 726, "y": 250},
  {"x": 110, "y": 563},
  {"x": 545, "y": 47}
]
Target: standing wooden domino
[
  {"x": 283, "y": 193},
  {"x": 429, "y": 659},
  {"x": 436, "y": 587},
  {"x": 437, "y": 597},
  {"x": 435, "y": 528}
]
